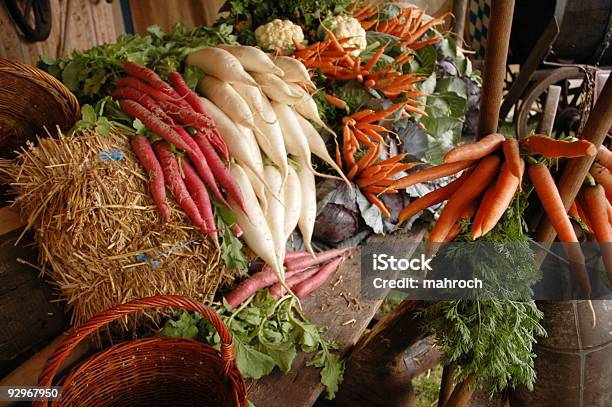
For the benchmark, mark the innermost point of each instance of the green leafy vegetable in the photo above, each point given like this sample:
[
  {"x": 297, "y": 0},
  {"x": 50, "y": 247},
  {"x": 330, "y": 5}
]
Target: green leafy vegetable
[
  {"x": 267, "y": 334},
  {"x": 231, "y": 246},
  {"x": 91, "y": 73}
]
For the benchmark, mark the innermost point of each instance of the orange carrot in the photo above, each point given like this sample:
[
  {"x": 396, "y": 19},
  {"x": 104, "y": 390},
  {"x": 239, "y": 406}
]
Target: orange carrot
[
  {"x": 582, "y": 215},
  {"x": 432, "y": 198},
  {"x": 604, "y": 157},
  {"x": 335, "y": 101},
  {"x": 603, "y": 177},
  {"x": 487, "y": 201},
  {"x": 466, "y": 213},
  {"x": 597, "y": 208},
  {"x": 573, "y": 211},
  {"x": 505, "y": 188},
  {"x": 432, "y": 173},
  {"x": 367, "y": 158},
  {"x": 462, "y": 393},
  {"x": 469, "y": 191},
  {"x": 374, "y": 199},
  {"x": 549, "y": 147},
  {"x": 609, "y": 213},
  {"x": 370, "y": 64},
  {"x": 548, "y": 193},
  {"x": 481, "y": 148},
  {"x": 513, "y": 157}
]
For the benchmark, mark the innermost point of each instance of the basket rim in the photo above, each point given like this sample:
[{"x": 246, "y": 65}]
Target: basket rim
[{"x": 47, "y": 82}]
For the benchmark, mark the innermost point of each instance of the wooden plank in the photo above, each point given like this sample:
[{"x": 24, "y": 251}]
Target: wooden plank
[{"x": 331, "y": 306}]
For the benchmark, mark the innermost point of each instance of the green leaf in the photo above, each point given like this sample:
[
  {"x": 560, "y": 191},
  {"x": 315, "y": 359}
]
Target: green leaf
[
  {"x": 70, "y": 75},
  {"x": 156, "y": 31},
  {"x": 46, "y": 59},
  {"x": 446, "y": 105},
  {"x": 251, "y": 362},
  {"x": 184, "y": 327},
  {"x": 282, "y": 354},
  {"x": 332, "y": 372},
  {"x": 88, "y": 114},
  {"x": 444, "y": 134},
  {"x": 450, "y": 84},
  {"x": 193, "y": 75},
  {"x": 427, "y": 59}
]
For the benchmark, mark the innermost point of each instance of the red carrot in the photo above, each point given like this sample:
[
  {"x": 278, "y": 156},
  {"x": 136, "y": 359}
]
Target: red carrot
[
  {"x": 154, "y": 123},
  {"x": 142, "y": 98},
  {"x": 221, "y": 172},
  {"x": 549, "y": 147},
  {"x": 277, "y": 290},
  {"x": 201, "y": 199},
  {"x": 186, "y": 93},
  {"x": 149, "y": 90},
  {"x": 172, "y": 175},
  {"x": 546, "y": 189},
  {"x": 201, "y": 164},
  {"x": 322, "y": 257},
  {"x": 150, "y": 77},
  {"x": 146, "y": 156},
  {"x": 303, "y": 289}
]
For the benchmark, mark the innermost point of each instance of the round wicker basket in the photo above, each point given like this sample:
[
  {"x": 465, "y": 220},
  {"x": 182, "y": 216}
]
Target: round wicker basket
[
  {"x": 152, "y": 371},
  {"x": 31, "y": 100}
]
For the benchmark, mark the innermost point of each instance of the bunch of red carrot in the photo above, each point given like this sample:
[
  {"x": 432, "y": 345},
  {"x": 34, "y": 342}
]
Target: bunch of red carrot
[
  {"x": 169, "y": 111},
  {"x": 370, "y": 174},
  {"x": 409, "y": 25},
  {"x": 488, "y": 185},
  {"x": 304, "y": 274}
]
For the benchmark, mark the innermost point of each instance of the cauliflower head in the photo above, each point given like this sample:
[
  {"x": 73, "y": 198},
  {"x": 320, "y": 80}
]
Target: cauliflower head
[
  {"x": 278, "y": 34},
  {"x": 346, "y": 26}
]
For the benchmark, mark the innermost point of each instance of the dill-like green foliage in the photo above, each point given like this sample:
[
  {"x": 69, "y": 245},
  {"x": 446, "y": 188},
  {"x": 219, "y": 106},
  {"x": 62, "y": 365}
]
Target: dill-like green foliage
[{"x": 492, "y": 338}]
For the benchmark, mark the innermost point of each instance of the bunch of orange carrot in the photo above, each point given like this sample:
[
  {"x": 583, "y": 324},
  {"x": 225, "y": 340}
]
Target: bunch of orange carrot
[
  {"x": 409, "y": 25},
  {"x": 336, "y": 62},
  {"x": 488, "y": 184},
  {"x": 370, "y": 174}
]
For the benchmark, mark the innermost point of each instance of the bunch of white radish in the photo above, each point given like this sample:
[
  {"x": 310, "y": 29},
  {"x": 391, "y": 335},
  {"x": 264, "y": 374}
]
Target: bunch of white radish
[{"x": 263, "y": 108}]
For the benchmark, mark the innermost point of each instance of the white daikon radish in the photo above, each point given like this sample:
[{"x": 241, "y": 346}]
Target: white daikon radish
[
  {"x": 295, "y": 71},
  {"x": 276, "y": 89},
  {"x": 275, "y": 214},
  {"x": 317, "y": 145},
  {"x": 295, "y": 141},
  {"x": 253, "y": 59},
  {"x": 239, "y": 139},
  {"x": 270, "y": 139},
  {"x": 221, "y": 64},
  {"x": 307, "y": 107},
  {"x": 228, "y": 100},
  {"x": 256, "y": 232},
  {"x": 252, "y": 95},
  {"x": 293, "y": 201},
  {"x": 258, "y": 187},
  {"x": 308, "y": 210}
]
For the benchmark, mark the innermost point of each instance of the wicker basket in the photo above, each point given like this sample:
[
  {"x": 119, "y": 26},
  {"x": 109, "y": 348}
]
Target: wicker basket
[
  {"x": 149, "y": 372},
  {"x": 31, "y": 100}
]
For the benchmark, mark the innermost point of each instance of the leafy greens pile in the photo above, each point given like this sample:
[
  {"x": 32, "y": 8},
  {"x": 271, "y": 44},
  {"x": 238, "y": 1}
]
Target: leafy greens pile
[
  {"x": 90, "y": 74},
  {"x": 267, "y": 334}
]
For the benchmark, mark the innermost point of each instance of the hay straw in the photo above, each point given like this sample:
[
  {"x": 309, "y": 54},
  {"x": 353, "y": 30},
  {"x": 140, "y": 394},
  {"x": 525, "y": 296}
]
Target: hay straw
[{"x": 99, "y": 231}]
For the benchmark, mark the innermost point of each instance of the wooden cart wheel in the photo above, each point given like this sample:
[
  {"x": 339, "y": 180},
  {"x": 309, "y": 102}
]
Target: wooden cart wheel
[
  {"x": 32, "y": 17},
  {"x": 529, "y": 114}
]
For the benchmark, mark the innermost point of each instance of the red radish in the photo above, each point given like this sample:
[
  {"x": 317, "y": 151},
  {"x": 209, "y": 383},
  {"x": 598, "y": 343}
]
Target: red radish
[
  {"x": 306, "y": 287},
  {"x": 147, "y": 75},
  {"x": 214, "y": 136},
  {"x": 172, "y": 175},
  {"x": 187, "y": 117},
  {"x": 147, "y": 101},
  {"x": 186, "y": 93},
  {"x": 149, "y": 90},
  {"x": 154, "y": 123},
  {"x": 146, "y": 156},
  {"x": 201, "y": 164},
  {"x": 319, "y": 258},
  {"x": 277, "y": 289},
  {"x": 294, "y": 255},
  {"x": 201, "y": 199},
  {"x": 219, "y": 170}
]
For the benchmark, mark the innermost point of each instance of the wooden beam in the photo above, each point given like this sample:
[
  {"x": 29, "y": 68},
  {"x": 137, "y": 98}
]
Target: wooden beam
[{"x": 496, "y": 52}]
